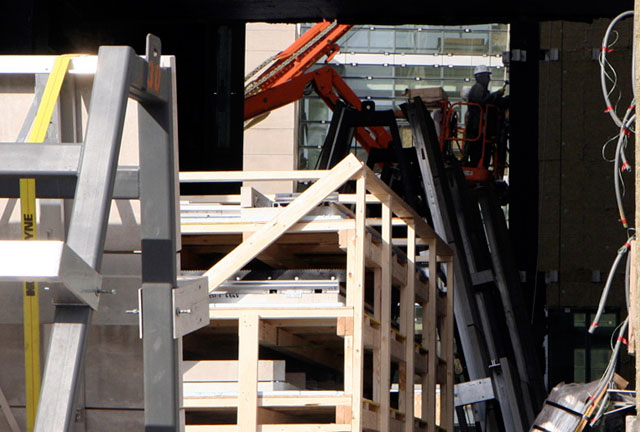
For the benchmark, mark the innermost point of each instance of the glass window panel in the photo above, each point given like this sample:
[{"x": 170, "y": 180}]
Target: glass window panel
[
  {"x": 428, "y": 42},
  {"x": 579, "y": 319},
  {"x": 579, "y": 365},
  {"x": 373, "y": 88},
  {"x": 315, "y": 110},
  {"x": 308, "y": 157},
  {"x": 406, "y": 40},
  {"x": 499, "y": 42},
  {"x": 454, "y": 89},
  {"x": 464, "y": 43},
  {"x": 355, "y": 39},
  {"x": 381, "y": 39},
  {"x": 458, "y": 72},
  {"x": 599, "y": 361},
  {"x": 384, "y": 104},
  {"x": 479, "y": 27},
  {"x": 388, "y": 83},
  {"x": 367, "y": 70},
  {"x": 313, "y": 134},
  {"x": 418, "y": 71},
  {"x": 500, "y": 27},
  {"x": 608, "y": 320}
]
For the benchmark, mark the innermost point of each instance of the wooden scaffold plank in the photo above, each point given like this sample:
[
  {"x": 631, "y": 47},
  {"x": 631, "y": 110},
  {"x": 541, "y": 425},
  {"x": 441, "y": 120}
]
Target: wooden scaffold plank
[{"x": 267, "y": 234}]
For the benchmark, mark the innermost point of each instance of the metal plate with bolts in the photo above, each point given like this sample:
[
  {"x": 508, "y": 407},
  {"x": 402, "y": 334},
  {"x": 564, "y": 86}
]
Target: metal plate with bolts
[
  {"x": 190, "y": 306},
  {"x": 473, "y": 392}
]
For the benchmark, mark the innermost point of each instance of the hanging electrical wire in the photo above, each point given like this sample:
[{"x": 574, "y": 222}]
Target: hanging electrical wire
[
  {"x": 604, "y": 64},
  {"x": 605, "y": 292},
  {"x": 607, "y": 377},
  {"x": 620, "y": 162}
]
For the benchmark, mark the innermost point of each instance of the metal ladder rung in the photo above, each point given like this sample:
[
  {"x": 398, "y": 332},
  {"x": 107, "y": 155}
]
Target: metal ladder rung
[{"x": 54, "y": 262}]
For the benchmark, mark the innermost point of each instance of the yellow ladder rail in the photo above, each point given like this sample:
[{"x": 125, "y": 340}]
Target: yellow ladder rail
[{"x": 31, "y": 309}]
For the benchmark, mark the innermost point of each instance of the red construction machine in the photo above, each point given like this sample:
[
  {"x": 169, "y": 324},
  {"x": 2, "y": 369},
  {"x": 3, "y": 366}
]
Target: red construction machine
[{"x": 287, "y": 79}]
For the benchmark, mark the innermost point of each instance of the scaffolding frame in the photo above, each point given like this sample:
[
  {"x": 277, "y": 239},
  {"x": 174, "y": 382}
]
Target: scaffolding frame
[{"x": 366, "y": 247}]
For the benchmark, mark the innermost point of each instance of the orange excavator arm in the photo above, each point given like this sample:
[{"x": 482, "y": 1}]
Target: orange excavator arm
[
  {"x": 320, "y": 40},
  {"x": 331, "y": 88}
]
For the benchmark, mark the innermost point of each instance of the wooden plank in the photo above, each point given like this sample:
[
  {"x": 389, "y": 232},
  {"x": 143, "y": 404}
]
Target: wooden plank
[
  {"x": 396, "y": 345},
  {"x": 371, "y": 331},
  {"x": 268, "y": 233},
  {"x": 446, "y": 391},
  {"x": 355, "y": 299},
  {"x": 282, "y": 340},
  {"x": 242, "y": 176},
  {"x": 407, "y": 326},
  {"x": 346, "y": 198},
  {"x": 283, "y": 313},
  {"x": 241, "y": 227},
  {"x": 217, "y": 387},
  {"x": 429, "y": 340},
  {"x": 374, "y": 221},
  {"x": 303, "y": 322},
  {"x": 211, "y": 199},
  {"x": 387, "y": 262},
  {"x": 345, "y": 327},
  {"x": 227, "y": 370},
  {"x": 421, "y": 288},
  {"x": 248, "y": 334},
  {"x": 373, "y": 258},
  {"x": 301, "y": 427},
  {"x": 384, "y": 193},
  {"x": 205, "y": 240},
  {"x": 271, "y": 416},
  {"x": 343, "y": 414},
  {"x": 288, "y": 399}
]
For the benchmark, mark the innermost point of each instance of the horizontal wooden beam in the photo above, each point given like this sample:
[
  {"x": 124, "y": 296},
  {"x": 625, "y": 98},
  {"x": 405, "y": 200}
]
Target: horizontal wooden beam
[
  {"x": 283, "y": 312},
  {"x": 299, "y": 427},
  {"x": 240, "y": 176},
  {"x": 297, "y": 399},
  {"x": 273, "y": 229}
]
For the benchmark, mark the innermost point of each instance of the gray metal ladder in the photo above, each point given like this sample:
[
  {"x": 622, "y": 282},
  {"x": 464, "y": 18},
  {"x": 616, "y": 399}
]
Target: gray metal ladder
[
  {"x": 482, "y": 260},
  {"x": 89, "y": 174}
]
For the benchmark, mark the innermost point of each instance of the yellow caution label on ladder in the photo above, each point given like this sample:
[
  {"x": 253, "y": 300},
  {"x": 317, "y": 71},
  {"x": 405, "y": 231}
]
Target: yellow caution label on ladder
[{"x": 31, "y": 308}]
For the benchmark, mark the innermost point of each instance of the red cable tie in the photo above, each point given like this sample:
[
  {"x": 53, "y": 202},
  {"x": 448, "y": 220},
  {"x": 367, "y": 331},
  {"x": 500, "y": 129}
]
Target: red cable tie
[
  {"x": 627, "y": 245},
  {"x": 594, "y": 324},
  {"x": 624, "y": 166},
  {"x": 591, "y": 398},
  {"x": 609, "y": 108},
  {"x": 623, "y": 221},
  {"x": 626, "y": 131},
  {"x": 607, "y": 49},
  {"x": 623, "y": 340},
  {"x": 632, "y": 107}
]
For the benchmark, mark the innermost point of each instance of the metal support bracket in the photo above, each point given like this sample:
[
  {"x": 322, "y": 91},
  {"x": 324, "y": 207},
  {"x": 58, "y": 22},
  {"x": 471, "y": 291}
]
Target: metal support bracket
[
  {"x": 471, "y": 392},
  {"x": 191, "y": 306}
]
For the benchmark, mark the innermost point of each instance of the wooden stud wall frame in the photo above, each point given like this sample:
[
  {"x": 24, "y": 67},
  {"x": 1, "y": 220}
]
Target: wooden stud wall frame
[{"x": 377, "y": 261}]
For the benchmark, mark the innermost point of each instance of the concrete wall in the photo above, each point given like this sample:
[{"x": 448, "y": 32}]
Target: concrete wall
[{"x": 272, "y": 143}]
